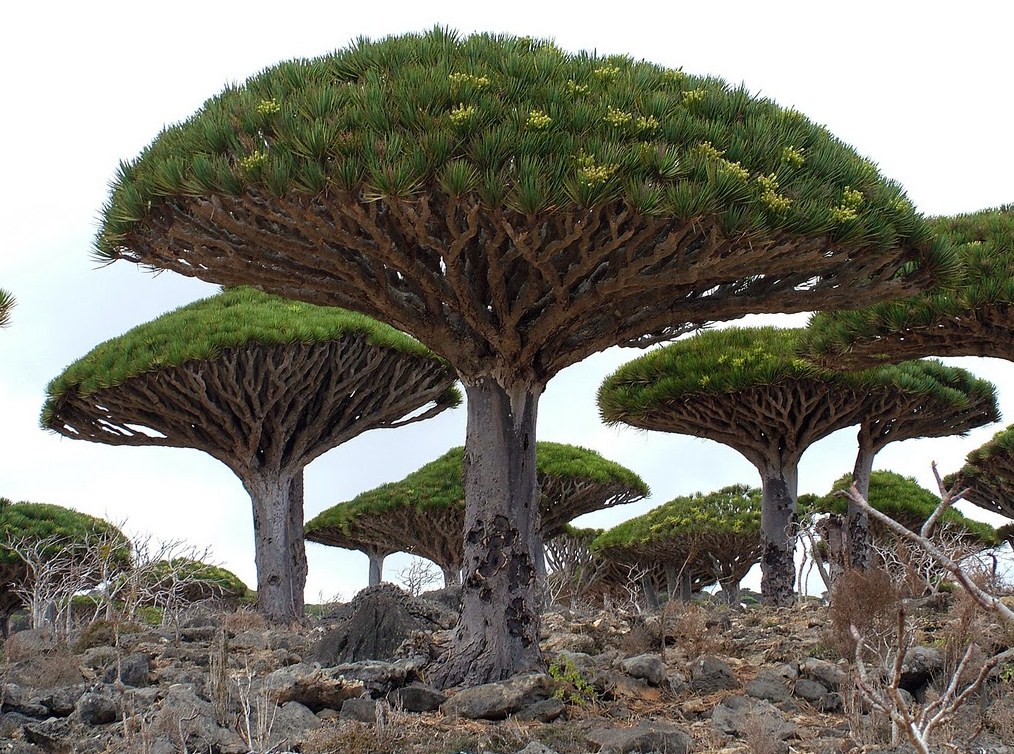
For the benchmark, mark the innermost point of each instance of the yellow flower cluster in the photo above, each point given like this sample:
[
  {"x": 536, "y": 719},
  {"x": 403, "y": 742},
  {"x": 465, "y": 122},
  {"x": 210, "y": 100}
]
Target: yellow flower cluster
[
  {"x": 592, "y": 174},
  {"x": 848, "y": 210},
  {"x": 618, "y": 118},
  {"x": 710, "y": 151},
  {"x": 694, "y": 95},
  {"x": 734, "y": 169},
  {"x": 253, "y": 160},
  {"x": 607, "y": 72},
  {"x": 649, "y": 123},
  {"x": 769, "y": 193},
  {"x": 462, "y": 114},
  {"x": 467, "y": 78},
  {"x": 538, "y": 120},
  {"x": 575, "y": 88},
  {"x": 268, "y": 107},
  {"x": 793, "y": 156},
  {"x": 674, "y": 76}
]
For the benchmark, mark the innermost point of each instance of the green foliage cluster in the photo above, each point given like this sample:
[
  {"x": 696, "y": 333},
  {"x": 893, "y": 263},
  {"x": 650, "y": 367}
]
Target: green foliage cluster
[
  {"x": 64, "y": 527},
  {"x": 723, "y": 362},
  {"x": 439, "y": 484},
  {"x": 235, "y": 318},
  {"x": 516, "y": 123},
  {"x": 989, "y": 473},
  {"x": 984, "y": 244},
  {"x": 571, "y": 685},
  {"x": 906, "y": 501},
  {"x": 735, "y": 509},
  {"x": 6, "y": 304},
  {"x": 223, "y": 582}
]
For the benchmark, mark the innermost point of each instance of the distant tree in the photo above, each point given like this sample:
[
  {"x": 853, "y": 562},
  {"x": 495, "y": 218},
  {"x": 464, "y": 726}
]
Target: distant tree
[
  {"x": 42, "y": 561},
  {"x": 516, "y": 208},
  {"x": 265, "y": 386},
  {"x": 988, "y": 474},
  {"x": 747, "y": 389},
  {"x": 424, "y": 514},
  {"x": 921, "y": 398},
  {"x": 699, "y": 538},
  {"x": 6, "y": 304},
  {"x": 973, "y": 318}
]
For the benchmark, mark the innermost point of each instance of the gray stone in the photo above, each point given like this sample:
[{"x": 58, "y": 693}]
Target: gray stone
[
  {"x": 376, "y": 677},
  {"x": 769, "y": 685},
  {"x": 361, "y": 710},
  {"x": 811, "y": 691},
  {"x": 920, "y": 666},
  {"x": 737, "y": 715},
  {"x": 536, "y": 747},
  {"x": 647, "y": 666},
  {"x": 311, "y": 685},
  {"x": 182, "y": 710},
  {"x": 494, "y": 701},
  {"x": 131, "y": 670},
  {"x": 99, "y": 658},
  {"x": 417, "y": 698},
  {"x": 827, "y": 674},
  {"x": 710, "y": 674},
  {"x": 648, "y": 736},
  {"x": 292, "y": 723},
  {"x": 94, "y": 708},
  {"x": 375, "y": 624},
  {"x": 62, "y": 701},
  {"x": 544, "y": 711}
]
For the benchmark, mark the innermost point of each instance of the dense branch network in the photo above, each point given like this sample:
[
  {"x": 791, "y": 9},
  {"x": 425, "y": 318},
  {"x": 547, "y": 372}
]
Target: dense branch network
[{"x": 988, "y": 474}]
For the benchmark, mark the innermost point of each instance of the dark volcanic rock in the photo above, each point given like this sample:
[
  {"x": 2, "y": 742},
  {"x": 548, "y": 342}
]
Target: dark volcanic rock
[
  {"x": 648, "y": 736},
  {"x": 131, "y": 670},
  {"x": 417, "y": 698},
  {"x": 647, "y": 666},
  {"x": 94, "y": 708},
  {"x": 360, "y": 710},
  {"x": 374, "y": 624},
  {"x": 494, "y": 701},
  {"x": 710, "y": 674}
]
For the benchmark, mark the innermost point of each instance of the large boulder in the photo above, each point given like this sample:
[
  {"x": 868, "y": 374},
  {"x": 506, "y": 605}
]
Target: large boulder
[
  {"x": 495, "y": 701},
  {"x": 375, "y": 623},
  {"x": 647, "y": 736}
]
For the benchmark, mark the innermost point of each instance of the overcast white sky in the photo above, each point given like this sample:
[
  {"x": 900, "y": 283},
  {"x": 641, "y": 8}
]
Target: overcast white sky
[{"x": 922, "y": 89}]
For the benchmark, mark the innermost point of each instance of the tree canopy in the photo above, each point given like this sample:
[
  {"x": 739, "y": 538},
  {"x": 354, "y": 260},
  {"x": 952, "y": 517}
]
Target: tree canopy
[
  {"x": 989, "y": 473},
  {"x": 425, "y": 512},
  {"x": 907, "y": 502},
  {"x": 515, "y": 208},
  {"x": 57, "y": 530},
  {"x": 263, "y": 385},
  {"x": 971, "y": 318}
]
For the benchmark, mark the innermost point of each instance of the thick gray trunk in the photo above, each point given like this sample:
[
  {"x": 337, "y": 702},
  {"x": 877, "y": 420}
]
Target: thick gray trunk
[
  {"x": 778, "y": 541},
  {"x": 498, "y": 632},
  {"x": 650, "y": 595},
  {"x": 857, "y": 522},
  {"x": 376, "y": 566},
  {"x": 452, "y": 576},
  {"x": 678, "y": 582},
  {"x": 279, "y": 549},
  {"x": 730, "y": 591}
]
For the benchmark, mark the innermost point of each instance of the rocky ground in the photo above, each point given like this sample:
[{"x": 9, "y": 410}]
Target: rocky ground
[{"x": 756, "y": 680}]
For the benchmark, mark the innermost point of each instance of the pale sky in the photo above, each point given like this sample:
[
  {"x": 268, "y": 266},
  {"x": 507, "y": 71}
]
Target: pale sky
[{"x": 921, "y": 89}]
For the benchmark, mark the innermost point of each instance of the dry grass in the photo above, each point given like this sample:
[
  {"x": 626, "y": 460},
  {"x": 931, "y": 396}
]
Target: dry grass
[{"x": 866, "y": 599}]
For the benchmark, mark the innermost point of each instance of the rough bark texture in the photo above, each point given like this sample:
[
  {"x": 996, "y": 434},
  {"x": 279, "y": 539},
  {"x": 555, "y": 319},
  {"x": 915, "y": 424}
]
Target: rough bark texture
[
  {"x": 266, "y": 412},
  {"x": 857, "y": 522},
  {"x": 778, "y": 541},
  {"x": 278, "y": 535},
  {"x": 498, "y": 633}
]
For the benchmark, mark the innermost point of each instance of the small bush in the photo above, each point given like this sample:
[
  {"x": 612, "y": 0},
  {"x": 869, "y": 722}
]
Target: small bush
[
  {"x": 571, "y": 686},
  {"x": 866, "y": 599}
]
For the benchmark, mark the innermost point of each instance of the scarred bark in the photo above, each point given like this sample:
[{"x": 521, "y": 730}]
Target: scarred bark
[
  {"x": 498, "y": 631},
  {"x": 857, "y": 522},
  {"x": 778, "y": 519},
  {"x": 279, "y": 552}
]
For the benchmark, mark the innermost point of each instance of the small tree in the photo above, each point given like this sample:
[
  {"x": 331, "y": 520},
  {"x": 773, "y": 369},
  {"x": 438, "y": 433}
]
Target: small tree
[
  {"x": 424, "y": 514},
  {"x": 517, "y": 208},
  {"x": 263, "y": 385},
  {"x": 6, "y": 304},
  {"x": 699, "y": 538},
  {"x": 973, "y": 317},
  {"x": 48, "y": 554},
  {"x": 988, "y": 474}
]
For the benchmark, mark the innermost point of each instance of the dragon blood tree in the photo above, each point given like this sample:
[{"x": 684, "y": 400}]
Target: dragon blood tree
[
  {"x": 516, "y": 208},
  {"x": 919, "y": 398},
  {"x": 697, "y": 538},
  {"x": 424, "y": 513},
  {"x": 910, "y": 504},
  {"x": 971, "y": 318},
  {"x": 51, "y": 533},
  {"x": 988, "y": 474},
  {"x": 265, "y": 386}
]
